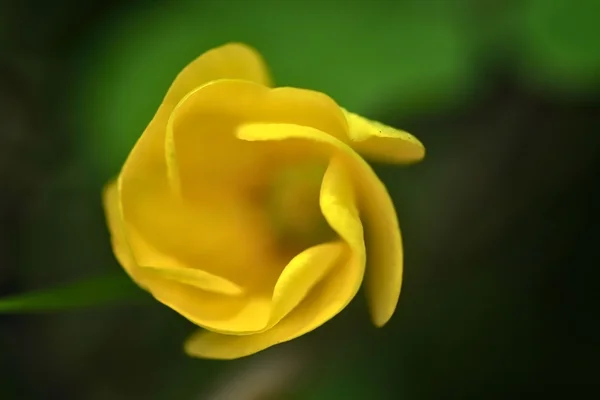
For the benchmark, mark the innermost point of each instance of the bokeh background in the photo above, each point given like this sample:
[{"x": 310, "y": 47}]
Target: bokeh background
[{"x": 499, "y": 221}]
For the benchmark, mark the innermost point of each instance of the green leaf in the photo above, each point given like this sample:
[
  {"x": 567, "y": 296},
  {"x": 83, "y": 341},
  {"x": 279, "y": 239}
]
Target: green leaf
[{"x": 110, "y": 289}]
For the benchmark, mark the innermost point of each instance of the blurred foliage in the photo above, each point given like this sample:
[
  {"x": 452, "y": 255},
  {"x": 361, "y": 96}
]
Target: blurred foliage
[
  {"x": 356, "y": 380},
  {"x": 488, "y": 217},
  {"x": 560, "y": 44}
]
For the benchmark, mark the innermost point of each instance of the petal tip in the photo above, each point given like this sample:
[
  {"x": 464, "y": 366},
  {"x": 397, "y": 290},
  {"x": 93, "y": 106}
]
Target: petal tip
[
  {"x": 380, "y": 320},
  {"x": 213, "y": 346}
]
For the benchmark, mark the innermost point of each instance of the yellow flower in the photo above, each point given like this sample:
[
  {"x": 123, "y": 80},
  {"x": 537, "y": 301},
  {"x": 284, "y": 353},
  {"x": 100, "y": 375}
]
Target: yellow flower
[{"x": 249, "y": 211}]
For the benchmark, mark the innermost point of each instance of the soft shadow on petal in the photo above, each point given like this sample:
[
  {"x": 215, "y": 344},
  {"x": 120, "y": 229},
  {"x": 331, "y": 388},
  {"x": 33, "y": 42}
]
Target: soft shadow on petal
[
  {"x": 302, "y": 274},
  {"x": 384, "y": 244},
  {"x": 247, "y": 315},
  {"x": 246, "y": 101},
  {"x": 217, "y": 311},
  {"x": 383, "y": 143},
  {"x": 201, "y": 133},
  {"x": 197, "y": 237},
  {"x": 328, "y": 298},
  {"x": 200, "y": 235},
  {"x": 325, "y": 301},
  {"x": 197, "y": 278},
  {"x": 205, "y": 298},
  {"x": 147, "y": 162},
  {"x": 162, "y": 266},
  {"x": 338, "y": 204},
  {"x": 230, "y": 61},
  {"x": 220, "y": 236},
  {"x": 144, "y": 190}
]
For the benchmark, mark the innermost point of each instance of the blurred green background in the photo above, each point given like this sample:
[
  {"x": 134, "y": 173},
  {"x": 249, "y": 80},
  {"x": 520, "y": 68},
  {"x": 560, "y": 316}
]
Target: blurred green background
[{"x": 499, "y": 221}]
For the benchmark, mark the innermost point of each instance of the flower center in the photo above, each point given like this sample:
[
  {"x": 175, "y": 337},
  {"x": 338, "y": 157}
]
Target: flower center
[{"x": 294, "y": 206}]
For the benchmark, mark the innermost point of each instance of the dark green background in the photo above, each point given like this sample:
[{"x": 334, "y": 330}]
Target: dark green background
[{"x": 499, "y": 221}]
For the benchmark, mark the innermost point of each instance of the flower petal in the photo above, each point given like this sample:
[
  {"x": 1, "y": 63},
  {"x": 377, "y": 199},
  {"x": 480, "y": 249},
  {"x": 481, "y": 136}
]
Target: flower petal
[
  {"x": 200, "y": 234},
  {"x": 114, "y": 219},
  {"x": 198, "y": 279},
  {"x": 384, "y": 244},
  {"x": 326, "y": 300},
  {"x": 251, "y": 313},
  {"x": 230, "y": 61},
  {"x": 215, "y": 310},
  {"x": 383, "y": 143},
  {"x": 201, "y": 133},
  {"x": 205, "y": 299},
  {"x": 171, "y": 226},
  {"x": 302, "y": 274},
  {"x": 338, "y": 204},
  {"x": 220, "y": 236}
]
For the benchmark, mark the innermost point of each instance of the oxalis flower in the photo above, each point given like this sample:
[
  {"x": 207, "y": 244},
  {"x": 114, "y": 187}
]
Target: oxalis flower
[{"x": 250, "y": 211}]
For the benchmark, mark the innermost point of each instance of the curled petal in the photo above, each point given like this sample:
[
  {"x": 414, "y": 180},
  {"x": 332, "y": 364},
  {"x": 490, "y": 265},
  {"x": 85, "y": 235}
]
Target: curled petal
[
  {"x": 338, "y": 204},
  {"x": 225, "y": 314},
  {"x": 303, "y": 273},
  {"x": 158, "y": 222},
  {"x": 214, "y": 307},
  {"x": 383, "y": 143},
  {"x": 326, "y": 300},
  {"x": 172, "y": 225},
  {"x": 384, "y": 243},
  {"x": 230, "y": 61},
  {"x": 225, "y": 292},
  {"x": 252, "y": 313},
  {"x": 173, "y": 270},
  {"x": 201, "y": 133}
]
